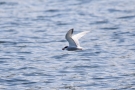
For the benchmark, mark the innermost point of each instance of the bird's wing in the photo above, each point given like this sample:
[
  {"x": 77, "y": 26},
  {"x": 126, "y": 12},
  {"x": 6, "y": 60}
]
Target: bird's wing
[
  {"x": 76, "y": 37},
  {"x": 70, "y": 39}
]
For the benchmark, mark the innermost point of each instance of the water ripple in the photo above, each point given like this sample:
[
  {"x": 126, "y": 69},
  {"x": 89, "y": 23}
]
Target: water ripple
[{"x": 33, "y": 34}]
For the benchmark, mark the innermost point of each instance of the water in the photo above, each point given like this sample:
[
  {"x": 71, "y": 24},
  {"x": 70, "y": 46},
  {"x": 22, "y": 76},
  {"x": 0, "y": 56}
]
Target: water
[{"x": 32, "y": 34}]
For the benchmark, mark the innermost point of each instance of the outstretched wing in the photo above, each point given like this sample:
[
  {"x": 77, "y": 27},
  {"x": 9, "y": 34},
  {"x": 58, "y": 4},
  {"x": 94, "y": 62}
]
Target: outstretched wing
[
  {"x": 70, "y": 39},
  {"x": 76, "y": 37}
]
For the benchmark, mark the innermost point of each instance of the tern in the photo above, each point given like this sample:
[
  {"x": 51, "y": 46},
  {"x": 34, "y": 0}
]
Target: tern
[{"x": 73, "y": 40}]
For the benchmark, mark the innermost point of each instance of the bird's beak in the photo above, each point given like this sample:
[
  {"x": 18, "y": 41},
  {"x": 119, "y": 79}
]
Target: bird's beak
[{"x": 63, "y": 48}]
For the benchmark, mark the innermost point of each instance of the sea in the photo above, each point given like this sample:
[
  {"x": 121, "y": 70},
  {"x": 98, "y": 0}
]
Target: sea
[{"x": 32, "y": 35}]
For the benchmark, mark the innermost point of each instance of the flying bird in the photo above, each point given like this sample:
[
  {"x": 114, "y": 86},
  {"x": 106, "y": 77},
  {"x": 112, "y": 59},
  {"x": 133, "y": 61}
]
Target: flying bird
[{"x": 73, "y": 40}]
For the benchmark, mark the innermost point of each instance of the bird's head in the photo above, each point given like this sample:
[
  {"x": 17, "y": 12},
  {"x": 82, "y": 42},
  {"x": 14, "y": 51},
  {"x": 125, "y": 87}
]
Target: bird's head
[{"x": 64, "y": 47}]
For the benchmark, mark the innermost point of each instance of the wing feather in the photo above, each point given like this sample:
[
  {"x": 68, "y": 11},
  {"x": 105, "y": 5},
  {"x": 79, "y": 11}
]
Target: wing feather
[
  {"x": 76, "y": 37},
  {"x": 70, "y": 39}
]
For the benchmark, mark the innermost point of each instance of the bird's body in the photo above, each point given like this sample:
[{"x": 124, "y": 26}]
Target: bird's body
[
  {"x": 70, "y": 48},
  {"x": 73, "y": 40}
]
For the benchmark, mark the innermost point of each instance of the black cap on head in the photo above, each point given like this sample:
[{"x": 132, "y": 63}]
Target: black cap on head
[{"x": 64, "y": 47}]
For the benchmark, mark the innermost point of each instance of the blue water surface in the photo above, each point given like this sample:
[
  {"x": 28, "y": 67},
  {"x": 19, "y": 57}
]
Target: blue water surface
[{"x": 32, "y": 35}]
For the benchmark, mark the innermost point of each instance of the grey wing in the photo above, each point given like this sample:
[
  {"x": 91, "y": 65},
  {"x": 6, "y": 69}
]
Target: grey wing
[
  {"x": 70, "y": 39},
  {"x": 76, "y": 37}
]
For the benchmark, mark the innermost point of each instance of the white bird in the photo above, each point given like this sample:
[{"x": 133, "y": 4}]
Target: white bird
[{"x": 73, "y": 40}]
